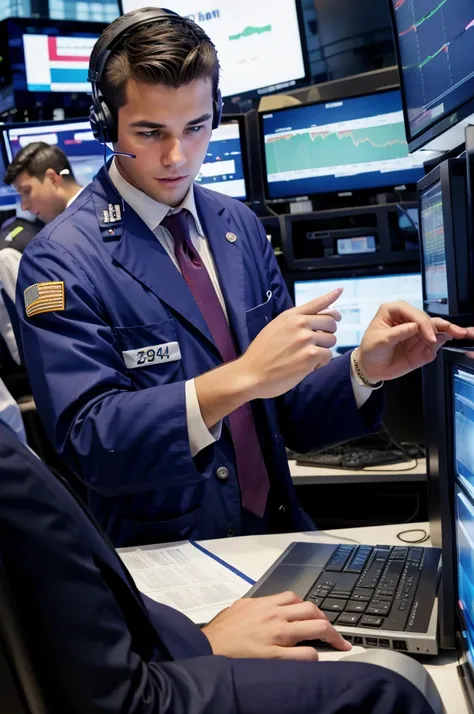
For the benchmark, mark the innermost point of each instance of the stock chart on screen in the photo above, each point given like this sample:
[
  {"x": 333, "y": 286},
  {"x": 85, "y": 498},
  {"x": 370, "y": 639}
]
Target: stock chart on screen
[
  {"x": 435, "y": 40},
  {"x": 434, "y": 244},
  {"x": 356, "y": 143}
]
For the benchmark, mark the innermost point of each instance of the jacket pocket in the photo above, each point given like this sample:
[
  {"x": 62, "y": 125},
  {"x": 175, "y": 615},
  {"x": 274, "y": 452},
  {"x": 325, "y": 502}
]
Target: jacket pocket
[{"x": 258, "y": 317}]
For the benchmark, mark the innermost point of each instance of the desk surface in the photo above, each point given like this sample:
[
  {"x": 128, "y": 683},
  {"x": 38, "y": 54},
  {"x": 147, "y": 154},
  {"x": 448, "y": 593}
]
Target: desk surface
[
  {"x": 407, "y": 471},
  {"x": 253, "y": 555}
]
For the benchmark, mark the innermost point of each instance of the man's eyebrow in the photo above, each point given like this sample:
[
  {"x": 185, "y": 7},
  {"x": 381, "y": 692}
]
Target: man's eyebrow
[{"x": 148, "y": 124}]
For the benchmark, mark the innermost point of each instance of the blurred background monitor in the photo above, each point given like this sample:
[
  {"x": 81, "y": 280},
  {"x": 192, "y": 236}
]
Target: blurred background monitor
[
  {"x": 334, "y": 147},
  {"x": 75, "y": 138},
  {"x": 362, "y": 296},
  {"x": 260, "y": 43},
  {"x": 434, "y": 44},
  {"x": 45, "y": 64},
  {"x": 447, "y": 254},
  {"x": 225, "y": 166}
]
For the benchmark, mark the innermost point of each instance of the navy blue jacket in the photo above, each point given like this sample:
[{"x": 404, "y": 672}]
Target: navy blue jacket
[
  {"x": 124, "y": 430},
  {"x": 99, "y": 648}
]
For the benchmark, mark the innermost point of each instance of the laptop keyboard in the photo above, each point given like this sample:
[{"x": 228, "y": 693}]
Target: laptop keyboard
[{"x": 362, "y": 585}]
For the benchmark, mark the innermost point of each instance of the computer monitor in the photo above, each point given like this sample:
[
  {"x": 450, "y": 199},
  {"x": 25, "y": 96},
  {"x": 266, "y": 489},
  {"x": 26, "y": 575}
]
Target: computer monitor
[
  {"x": 225, "y": 166},
  {"x": 8, "y": 195},
  {"x": 261, "y": 44},
  {"x": 346, "y": 145},
  {"x": 434, "y": 49},
  {"x": 403, "y": 411},
  {"x": 360, "y": 300},
  {"x": 45, "y": 63},
  {"x": 455, "y": 387},
  {"x": 75, "y": 138},
  {"x": 446, "y": 252}
]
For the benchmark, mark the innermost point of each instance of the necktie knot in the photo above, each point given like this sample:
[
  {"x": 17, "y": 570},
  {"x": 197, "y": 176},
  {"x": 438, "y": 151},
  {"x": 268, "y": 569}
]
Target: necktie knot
[{"x": 178, "y": 226}]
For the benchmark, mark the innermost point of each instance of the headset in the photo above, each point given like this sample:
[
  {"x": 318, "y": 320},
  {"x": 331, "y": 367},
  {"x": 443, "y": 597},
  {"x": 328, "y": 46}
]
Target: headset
[{"x": 101, "y": 117}]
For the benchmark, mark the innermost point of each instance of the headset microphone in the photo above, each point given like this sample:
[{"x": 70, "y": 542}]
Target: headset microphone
[{"x": 121, "y": 153}]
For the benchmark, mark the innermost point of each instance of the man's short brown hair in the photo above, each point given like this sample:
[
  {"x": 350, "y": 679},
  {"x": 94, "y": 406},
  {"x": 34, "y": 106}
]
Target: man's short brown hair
[{"x": 165, "y": 52}]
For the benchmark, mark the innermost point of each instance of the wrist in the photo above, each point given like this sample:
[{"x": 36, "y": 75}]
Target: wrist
[
  {"x": 245, "y": 381},
  {"x": 360, "y": 374}
]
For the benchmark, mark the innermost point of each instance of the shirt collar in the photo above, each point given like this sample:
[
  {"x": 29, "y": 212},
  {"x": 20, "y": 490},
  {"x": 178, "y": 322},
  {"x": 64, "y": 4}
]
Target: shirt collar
[
  {"x": 150, "y": 211},
  {"x": 74, "y": 197}
]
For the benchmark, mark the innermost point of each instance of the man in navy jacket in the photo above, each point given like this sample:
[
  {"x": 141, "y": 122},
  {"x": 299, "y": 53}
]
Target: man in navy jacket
[{"x": 99, "y": 647}]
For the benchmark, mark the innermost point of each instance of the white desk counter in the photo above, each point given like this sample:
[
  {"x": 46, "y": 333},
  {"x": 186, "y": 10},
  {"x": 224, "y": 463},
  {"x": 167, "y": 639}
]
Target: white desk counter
[
  {"x": 253, "y": 555},
  {"x": 409, "y": 471}
]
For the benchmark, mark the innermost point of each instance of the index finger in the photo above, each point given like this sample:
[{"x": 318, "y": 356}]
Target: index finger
[
  {"x": 320, "y": 303},
  {"x": 408, "y": 313}
]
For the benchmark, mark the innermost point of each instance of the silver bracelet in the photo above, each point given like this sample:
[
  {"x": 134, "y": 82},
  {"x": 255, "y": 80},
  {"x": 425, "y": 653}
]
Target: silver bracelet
[{"x": 360, "y": 376}]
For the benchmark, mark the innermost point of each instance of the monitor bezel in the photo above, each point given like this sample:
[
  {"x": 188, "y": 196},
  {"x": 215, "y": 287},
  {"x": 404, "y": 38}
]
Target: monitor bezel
[
  {"x": 354, "y": 192},
  {"x": 277, "y": 88},
  {"x": 5, "y": 128},
  {"x": 437, "y": 127},
  {"x": 458, "y": 271},
  {"x": 452, "y": 358}
]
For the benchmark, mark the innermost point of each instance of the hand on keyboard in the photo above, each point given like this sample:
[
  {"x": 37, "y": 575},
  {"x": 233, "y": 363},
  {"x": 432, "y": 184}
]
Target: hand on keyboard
[{"x": 271, "y": 628}]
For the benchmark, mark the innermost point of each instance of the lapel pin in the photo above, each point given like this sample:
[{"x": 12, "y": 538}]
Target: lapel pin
[{"x": 231, "y": 237}]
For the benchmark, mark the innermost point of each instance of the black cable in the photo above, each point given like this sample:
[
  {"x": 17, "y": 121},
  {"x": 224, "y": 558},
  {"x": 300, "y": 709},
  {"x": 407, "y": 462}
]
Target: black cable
[{"x": 423, "y": 539}]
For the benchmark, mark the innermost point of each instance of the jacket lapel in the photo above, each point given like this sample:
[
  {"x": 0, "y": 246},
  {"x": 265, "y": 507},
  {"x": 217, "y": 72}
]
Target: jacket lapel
[{"x": 218, "y": 227}]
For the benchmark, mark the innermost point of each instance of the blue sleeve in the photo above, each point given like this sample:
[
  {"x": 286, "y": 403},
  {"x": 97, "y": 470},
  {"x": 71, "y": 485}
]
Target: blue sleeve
[
  {"x": 105, "y": 428},
  {"x": 321, "y": 410}
]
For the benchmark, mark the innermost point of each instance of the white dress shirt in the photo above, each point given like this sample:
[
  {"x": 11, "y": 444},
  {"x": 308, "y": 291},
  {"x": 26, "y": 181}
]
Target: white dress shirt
[{"x": 152, "y": 213}]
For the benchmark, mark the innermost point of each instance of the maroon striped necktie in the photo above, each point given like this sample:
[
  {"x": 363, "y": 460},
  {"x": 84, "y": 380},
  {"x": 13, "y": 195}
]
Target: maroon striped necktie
[{"x": 251, "y": 470}]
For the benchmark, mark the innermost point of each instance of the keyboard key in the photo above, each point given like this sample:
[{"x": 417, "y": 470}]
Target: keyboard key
[
  {"x": 338, "y": 560},
  {"x": 334, "y": 605},
  {"x": 371, "y": 621},
  {"x": 316, "y": 600},
  {"x": 356, "y": 606},
  {"x": 348, "y": 618},
  {"x": 382, "y": 608},
  {"x": 344, "y": 594},
  {"x": 332, "y": 616},
  {"x": 363, "y": 594}
]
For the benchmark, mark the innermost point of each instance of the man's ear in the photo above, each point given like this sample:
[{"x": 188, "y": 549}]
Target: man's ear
[{"x": 53, "y": 177}]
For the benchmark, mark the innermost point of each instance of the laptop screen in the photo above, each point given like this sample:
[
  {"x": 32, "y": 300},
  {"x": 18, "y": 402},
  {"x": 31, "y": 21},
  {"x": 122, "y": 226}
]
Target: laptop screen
[{"x": 463, "y": 414}]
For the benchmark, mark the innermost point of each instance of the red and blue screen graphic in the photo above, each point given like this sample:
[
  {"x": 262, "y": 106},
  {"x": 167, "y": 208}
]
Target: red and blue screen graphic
[{"x": 57, "y": 64}]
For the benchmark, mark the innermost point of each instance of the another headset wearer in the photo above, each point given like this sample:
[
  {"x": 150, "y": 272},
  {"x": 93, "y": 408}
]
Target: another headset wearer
[{"x": 103, "y": 122}]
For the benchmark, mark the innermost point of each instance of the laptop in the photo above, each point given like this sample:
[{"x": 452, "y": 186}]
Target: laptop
[{"x": 376, "y": 596}]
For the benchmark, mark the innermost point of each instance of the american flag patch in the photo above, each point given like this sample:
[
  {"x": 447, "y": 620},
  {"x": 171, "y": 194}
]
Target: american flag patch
[{"x": 44, "y": 297}]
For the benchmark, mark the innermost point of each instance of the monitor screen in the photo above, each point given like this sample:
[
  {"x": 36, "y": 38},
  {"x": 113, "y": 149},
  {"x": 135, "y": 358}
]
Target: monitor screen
[
  {"x": 346, "y": 145},
  {"x": 433, "y": 244},
  {"x": 57, "y": 64},
  {"x": 436, "y": 59},
  {"x": 463, "y": 414},
  {"x": 259, "y": 47},
  {"x": 75, "y": 138},
  {"x": 8, "y": 195},
  {"x": 360, "y": 300},
  {"x": 223, "y": 169}
]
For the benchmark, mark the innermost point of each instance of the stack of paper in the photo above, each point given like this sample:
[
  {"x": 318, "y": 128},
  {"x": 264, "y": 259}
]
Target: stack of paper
[{"x": 186, "y": 578}]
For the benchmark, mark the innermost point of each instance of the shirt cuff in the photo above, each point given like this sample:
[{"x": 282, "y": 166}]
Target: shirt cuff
[
  {"x": 198, "y": 434},
  {"x": 361, "y": 392}
]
